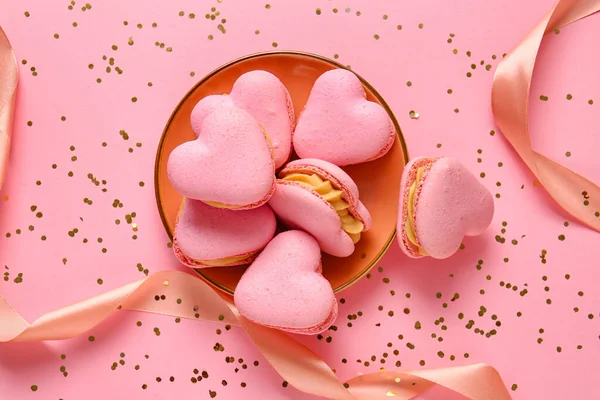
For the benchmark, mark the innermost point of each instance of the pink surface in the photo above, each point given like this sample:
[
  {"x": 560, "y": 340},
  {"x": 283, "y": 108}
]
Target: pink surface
[
  {"x": 300, "y": 207},
  {"x": 339, "y": 125},
  {"x": 207, "y": 233},
  {"x": 264, "y": 96},
  {"x": 284, "y": 287},
  {"x": 411, "y": 312},
  {"x": 233, "y": 147},
  {"x": 449, "y": 204},
  {"x": 339, "y": 178}
]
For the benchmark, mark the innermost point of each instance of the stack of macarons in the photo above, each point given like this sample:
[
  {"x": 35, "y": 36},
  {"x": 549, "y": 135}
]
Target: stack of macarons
[{"x": 266, "y": 190}]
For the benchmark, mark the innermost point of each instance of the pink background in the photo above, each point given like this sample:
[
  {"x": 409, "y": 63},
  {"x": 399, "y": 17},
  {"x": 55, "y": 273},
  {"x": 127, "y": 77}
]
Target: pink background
[{"x": 434, "y": 293}]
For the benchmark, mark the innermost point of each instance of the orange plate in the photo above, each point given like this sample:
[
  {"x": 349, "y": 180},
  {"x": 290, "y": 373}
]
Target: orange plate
[{"x": 378, "y": 180}]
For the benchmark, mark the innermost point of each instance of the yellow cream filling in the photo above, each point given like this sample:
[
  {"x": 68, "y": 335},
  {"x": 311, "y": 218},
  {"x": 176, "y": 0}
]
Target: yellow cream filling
[
  {"x": 224, "y": 261},
  {"x": 409, "y": 226},
  {"x": 351, "y": 225}
]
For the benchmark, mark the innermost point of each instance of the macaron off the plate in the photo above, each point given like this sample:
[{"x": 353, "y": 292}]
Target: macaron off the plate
[{"x": 440, "y": 203}]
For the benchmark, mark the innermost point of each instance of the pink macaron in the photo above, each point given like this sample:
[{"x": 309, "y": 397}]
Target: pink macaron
[
  {"x": 229, "y": 165},
  {"x": 339, "y": 125},
  {"x": 284, "y": 288},
  {"x": 440, "y": 203},
  {"x": 206, "y": 236},
  {"x": 321, "y": 199},
  {"x": 264, "y": 96}
]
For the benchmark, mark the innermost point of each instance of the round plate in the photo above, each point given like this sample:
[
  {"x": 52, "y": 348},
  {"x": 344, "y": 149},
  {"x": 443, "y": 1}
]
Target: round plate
[{"x": 378, "y": 181}]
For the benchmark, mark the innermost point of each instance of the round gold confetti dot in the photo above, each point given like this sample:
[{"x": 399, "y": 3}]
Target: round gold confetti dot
[
  {"x": 210, "y": 37},
  {"x": 421, "y": 26},
  {"x": 376, "y": 36},
  {"x": 569, "y": 96},
  {"x": 274, "y": 44},
  {"x": 134, "y": 99},
  {"x": 561, "y": 237},
  {"x": 100, "y": 281},
  {"x": 91, "y": 338},
  {"x": 34, "y": 388}
]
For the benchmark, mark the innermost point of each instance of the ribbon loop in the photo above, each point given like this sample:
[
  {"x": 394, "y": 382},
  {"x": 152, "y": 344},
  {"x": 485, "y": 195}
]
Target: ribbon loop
[
  {"x": 9, "y": 75},
  {"x": 510, "y": 105}
]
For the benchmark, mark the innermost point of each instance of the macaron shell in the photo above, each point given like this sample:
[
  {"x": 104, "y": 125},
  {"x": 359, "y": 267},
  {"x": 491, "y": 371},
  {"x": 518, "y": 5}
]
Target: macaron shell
[
  {"x": 264, "y": 96},
  {"x": 300, "y": 207},
  {"x": 339, "y": 125},
  {"x": 205, "y": 107},
  {"x": 284, "y": 289},
  {"x": 339, "y": 178},
  {"x": 229, "y": 163},
  {"x": 408, "y": 177},
  {"x": 207, "y": 233},
  {"x": 451, "y": 204}
]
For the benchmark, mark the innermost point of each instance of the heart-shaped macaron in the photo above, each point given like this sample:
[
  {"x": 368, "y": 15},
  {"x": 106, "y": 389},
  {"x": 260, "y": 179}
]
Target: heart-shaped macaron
[
  {"x": 441, "y": 202},
  {"x": 230, "y": 165},
  {"x": 284, "y": 288},
  {"x": 206, "y": 236},
  {"x": 320, "y": 198},
  {"x": 261, "y": 94},
  {"x": 339, "y": 125}
]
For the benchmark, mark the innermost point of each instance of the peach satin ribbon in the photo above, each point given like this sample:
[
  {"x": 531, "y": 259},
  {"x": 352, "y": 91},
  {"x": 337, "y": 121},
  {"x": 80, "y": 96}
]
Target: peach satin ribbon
[
  {"x": 186, "y": 296},
  {"x": 510, "y": 105},
  {"x": 297, "y": 364},
  {"x": 9, "y": 73}
]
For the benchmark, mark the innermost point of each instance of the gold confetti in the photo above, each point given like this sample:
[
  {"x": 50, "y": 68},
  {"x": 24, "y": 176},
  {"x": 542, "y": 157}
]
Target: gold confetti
[{"x": 413, "y": 114}]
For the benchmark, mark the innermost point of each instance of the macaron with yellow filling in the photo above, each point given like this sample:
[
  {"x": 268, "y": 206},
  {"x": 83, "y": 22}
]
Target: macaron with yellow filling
[
  {"x": 441, "y": 202},
  {"x": 207, "y": 236},
  {"x": 321, "y": 199}
]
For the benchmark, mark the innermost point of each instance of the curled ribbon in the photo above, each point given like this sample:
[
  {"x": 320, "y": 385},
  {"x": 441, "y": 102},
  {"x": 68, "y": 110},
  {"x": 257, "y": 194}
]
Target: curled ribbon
[
  {"x": 510, "y": 105},
  {"x": 9, "y": 75},
  {"x": 189, "y": 297},
  {"x": 297, "y": 364}
]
